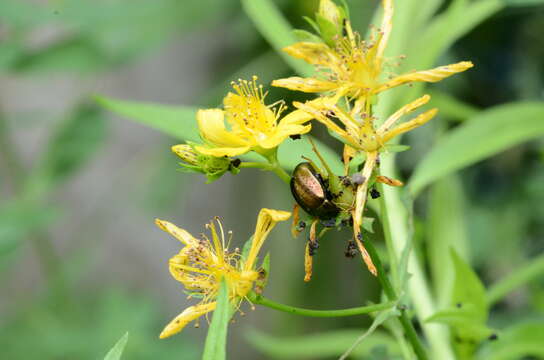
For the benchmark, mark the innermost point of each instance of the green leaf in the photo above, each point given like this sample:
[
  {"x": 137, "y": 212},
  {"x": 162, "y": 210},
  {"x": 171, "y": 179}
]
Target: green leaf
[
  {"x": 446, "y": 230},
  {"x": 462, "y": 320},
  {"x": 517, "y": 342},
  {"x": 486, "y": 134},
  {"x": 468, "y": 289},
  {"x": 318, "y": 345},
  {"x": 378, "y": 320},
  {"x": 215, "y": 347},
  {"x": 176, "y": 121},
  {"x": 273, "y": 26},
  {"x": 117, "y": 350},
  {"x": 451, "y": 107}
]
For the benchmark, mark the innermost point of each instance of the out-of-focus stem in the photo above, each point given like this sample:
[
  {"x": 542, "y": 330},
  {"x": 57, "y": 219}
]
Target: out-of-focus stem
[
  {"x": 407, "y": 325},
  {"x": 424, "y": 306}
]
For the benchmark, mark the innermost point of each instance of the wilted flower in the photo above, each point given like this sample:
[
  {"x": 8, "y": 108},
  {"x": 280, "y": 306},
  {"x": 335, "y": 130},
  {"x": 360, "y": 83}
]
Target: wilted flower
[
  {"x": 252, "y": 124},
  {"x": 202, "y": 264}
]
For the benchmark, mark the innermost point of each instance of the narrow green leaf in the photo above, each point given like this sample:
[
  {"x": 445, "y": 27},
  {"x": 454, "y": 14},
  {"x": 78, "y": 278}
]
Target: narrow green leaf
[
  {"x": 378, "y": 320},
  {"x": 451, "y": 107},
  {"x": 117, "y": 350},
  {"x": 276, "y": 30},
  {"x": 488, "y": 133},
  {"x": 519, "y": 341},
  {"x": 319, "y": 345},
  {"x": 215, "y": 347},
  {"x": 176, "y": 121},
  {"x": 462, "y": 320},
  {"x": 446, "y": 229}
]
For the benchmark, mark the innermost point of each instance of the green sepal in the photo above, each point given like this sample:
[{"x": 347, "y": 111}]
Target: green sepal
[
  {"x": 328, "y": 30},
  {"x": 306, "y": 36}
]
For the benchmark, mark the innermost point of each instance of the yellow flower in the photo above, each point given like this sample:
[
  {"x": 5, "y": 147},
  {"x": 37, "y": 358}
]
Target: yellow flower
[
  {"x": 354, "y": 67},
  {"x": 357, "y": 130},
  {"x": 203, "y": 263},
  {"x": 252, "y": 124}
]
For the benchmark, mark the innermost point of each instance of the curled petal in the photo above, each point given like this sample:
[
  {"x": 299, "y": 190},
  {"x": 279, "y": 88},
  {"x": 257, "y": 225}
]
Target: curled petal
[
  {"x": 180, "y": 234},
  {"x": 409, "y": 125},
  {"x": 212, "y": 128},
  {"x": 387, "y": 25},
  {"x": 188, "y": 315},
  {"x": 406, "y": 109},
  {"x": 432, "y": 75},
  {"x": 223, "y": 151},
  {"x": 309, "y": 85},
  {"x": 265, "y": 223},
  {"x": 312, "y": 53}
]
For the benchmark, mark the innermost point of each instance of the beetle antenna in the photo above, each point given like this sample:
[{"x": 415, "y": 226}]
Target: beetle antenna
[{"x": 314, "y": 148}]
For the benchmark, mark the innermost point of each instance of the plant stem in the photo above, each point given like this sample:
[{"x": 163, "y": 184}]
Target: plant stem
[
  {"x": 261, "y": 300},
  {"x": 420, "y": 295},
  {"x": 391, "y": 294},
  {"x": 517, "y": 278},
  {"x": 273, "y": 166}
]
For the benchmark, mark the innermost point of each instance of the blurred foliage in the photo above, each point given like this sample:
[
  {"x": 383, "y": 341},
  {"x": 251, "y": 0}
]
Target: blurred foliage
[{"x": 487, "y": 204}]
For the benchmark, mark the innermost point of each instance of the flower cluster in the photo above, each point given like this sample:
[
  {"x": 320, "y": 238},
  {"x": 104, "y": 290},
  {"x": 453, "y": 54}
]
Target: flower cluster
[
  {"x": 351, "y": 73},
  {"x": 202, "y": 263}
]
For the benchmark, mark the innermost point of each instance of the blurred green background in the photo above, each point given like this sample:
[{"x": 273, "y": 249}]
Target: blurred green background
[{"x": 81, "y": 261}]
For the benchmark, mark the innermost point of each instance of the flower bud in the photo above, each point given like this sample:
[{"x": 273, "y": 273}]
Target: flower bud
[{"x": 211, "y": 166}]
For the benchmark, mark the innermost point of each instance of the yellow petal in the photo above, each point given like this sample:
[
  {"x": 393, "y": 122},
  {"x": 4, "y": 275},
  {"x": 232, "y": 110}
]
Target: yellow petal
[
  {"x": 409, "y": 125},
  {"x": 180, "y": 234},
  {"x": 432, "y": 75},
  {"x": 266, "y": 221},
  {"x": 406, "y": 109},
  {"x": 281, "y": 133},
  {"x": 212, "y": 128},
  {"x": 223, "y": 151},
  {"x": 188, "y": 315},
  {"x": 296, "y": 117},
  {"x": 312, "y": 53},
  {"x": 310, "y": 85}
]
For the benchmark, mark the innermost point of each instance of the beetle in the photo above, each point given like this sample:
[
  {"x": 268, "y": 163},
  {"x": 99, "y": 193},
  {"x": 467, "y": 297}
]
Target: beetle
[{"x": 311, "y": 193}]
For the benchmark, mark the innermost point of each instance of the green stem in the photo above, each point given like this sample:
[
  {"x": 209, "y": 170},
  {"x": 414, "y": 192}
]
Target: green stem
[
  {"x": 517, "y": 278},
  {"x": 391, "y": 294},
  {"x": 273, "y": 166},
  {"x": 418, "y": 288},
  {"x": 261, "y": 300}
]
